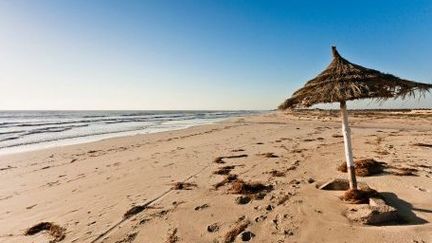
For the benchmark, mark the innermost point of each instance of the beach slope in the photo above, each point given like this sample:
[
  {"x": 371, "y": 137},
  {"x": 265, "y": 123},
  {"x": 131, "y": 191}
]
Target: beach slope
[{"x": 245, "y": 178}]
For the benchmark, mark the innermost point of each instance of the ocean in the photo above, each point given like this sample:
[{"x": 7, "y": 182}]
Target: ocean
[{"x": 29, "y": 130}]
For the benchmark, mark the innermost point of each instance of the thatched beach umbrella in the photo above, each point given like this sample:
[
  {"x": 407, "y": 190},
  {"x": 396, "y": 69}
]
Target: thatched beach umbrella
[{"x": 342, "y": 81}]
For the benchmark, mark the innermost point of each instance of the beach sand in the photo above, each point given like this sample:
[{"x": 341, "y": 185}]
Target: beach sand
[{"x": 86, "y": 189}]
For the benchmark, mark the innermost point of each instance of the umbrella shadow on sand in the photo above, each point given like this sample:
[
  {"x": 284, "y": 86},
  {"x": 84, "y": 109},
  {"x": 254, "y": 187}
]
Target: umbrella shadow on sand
[{"x": 405, "y": 209}]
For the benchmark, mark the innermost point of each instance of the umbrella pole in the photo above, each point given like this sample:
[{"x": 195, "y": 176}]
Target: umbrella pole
[{"x": 346, "y": 131}]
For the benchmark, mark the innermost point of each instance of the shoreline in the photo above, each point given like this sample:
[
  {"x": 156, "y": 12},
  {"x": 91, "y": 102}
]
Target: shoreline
[
  {"x": 169, "y": 179},
  {"x": 32, "y": 147}
]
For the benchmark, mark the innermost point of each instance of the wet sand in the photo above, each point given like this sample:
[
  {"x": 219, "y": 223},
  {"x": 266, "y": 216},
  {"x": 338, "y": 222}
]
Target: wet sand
[{"x": 252, "y": 177}]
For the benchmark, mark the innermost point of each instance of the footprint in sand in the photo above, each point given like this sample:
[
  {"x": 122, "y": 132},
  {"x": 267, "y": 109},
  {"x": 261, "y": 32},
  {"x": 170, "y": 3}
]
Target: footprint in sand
[
  {"x": 260, "y": 218},
  {"x": 420, "y": 189},
  {"x": 129, "y": 238},
  {"x": 172, "y": 236},
  {"x": 53, "y": 183}
]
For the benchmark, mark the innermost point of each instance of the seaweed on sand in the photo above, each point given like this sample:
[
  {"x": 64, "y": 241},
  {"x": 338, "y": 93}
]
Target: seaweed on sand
[
  {"x": 365, "y": 167},
  {"x": 228, "y": 179},
  {"x": 225, "y": 170},
  {"x": 183, "y": 186},
  {"x": 249, "y": 188},
  {"x": 356, "y": 196},
  {"x": 57, "y": 232}
]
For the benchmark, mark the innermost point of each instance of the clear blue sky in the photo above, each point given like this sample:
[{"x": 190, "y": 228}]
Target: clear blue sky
[{"x": 201, "y": 54}]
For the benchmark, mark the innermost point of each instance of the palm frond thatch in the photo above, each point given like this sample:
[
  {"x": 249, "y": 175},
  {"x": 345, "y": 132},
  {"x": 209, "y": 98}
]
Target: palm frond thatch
[{"x": 343, "y": 80}]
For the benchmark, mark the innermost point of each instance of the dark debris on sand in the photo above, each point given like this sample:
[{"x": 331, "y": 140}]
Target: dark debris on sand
[
  {"x": 220, "y": 159},
  {"x": 269, "y": 155},
  {"x": 359, "y": 196},
  {"x": 403, "y": 171},
  {"x": 236, "y": 229},
  {"x": 225, "y": 170},
  {"x": 129, "y": 238},
  {"x": 237, "y": 150},
  {"x": 369, "y": 167},
  {"x": 183, "y": 186},
  {"x": 172, "y": 237},
  {"x": 7, "y": 168},
  {"x": 205, "y": 205},
  {"x": 247, "y": 236},
  {"x": 230, "y": 178},
  {"x": 423, "y": 145},
  {"x": 242, "y": 199},
  {"x": 365, "y": 167},
  {"x": 57, "y": 232},
  {"x": 213, "y": 227},
  {"x": 277, "y": 173},
  {"x": 134, "y": 210},
  {"x": 254, "y": 189}
]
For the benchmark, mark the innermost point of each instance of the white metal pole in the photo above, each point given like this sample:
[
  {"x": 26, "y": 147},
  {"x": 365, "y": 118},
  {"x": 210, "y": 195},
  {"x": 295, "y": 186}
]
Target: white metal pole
[{"x": 346, "y": 131}]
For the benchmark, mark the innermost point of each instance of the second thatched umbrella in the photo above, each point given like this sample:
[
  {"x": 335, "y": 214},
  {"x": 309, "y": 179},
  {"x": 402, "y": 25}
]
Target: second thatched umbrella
[{"x": 342, "y": 81}]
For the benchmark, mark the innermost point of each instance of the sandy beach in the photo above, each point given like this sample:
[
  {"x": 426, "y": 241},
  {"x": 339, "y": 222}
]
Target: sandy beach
[{"x": 161, "y": 187}]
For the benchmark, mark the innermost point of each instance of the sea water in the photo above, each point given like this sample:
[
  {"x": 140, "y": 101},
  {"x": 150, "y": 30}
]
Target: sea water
[{"x": 29, "y": 130}]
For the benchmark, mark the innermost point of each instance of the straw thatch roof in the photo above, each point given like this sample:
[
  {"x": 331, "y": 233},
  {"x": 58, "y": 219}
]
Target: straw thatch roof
[{"x": 343, "y": 80}]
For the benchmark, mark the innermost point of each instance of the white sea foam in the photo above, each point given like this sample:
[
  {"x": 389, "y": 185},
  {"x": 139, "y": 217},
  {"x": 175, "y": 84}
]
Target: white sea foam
[{"x": 29, "y": 130}]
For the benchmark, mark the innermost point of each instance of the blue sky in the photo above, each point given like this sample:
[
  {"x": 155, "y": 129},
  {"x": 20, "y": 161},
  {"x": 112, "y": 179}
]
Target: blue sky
[{"x": 201, "y": 54}]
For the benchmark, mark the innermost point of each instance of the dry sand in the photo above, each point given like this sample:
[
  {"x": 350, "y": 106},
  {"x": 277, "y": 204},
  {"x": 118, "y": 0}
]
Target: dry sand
[{"x": 86, "y": 189}]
